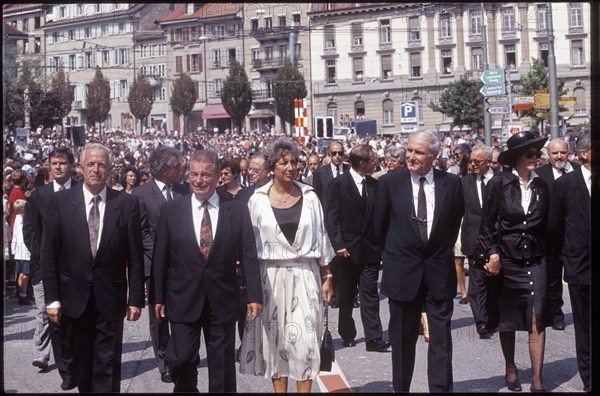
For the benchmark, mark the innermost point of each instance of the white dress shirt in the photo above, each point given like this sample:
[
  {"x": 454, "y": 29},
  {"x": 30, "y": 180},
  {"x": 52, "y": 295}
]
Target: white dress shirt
[
  {"x": 198, "y": 213},
  {"x": 429, "y": 188}
]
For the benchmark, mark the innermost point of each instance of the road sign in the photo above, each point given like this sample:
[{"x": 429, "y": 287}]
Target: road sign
[
  {"x": 567, "y": 100},
  {"x": 497, "y": 110},
  {"x": 408, "y": 112},
  {"x": 493, "y": 76},
  {"x": 523, "y": 99},
  {"x": 541, "y": 100},
  {"x": 493, "y": 90},
  {"x": 542, "y": 114},
  {"x": 497, "y": 100},
  {"x": 523, "y": 106}
]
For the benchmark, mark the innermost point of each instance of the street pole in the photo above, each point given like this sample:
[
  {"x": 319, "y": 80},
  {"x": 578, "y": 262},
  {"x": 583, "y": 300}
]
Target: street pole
[
  {"x": 552, "y": 77},
  {"x": 487, "y": 117}
]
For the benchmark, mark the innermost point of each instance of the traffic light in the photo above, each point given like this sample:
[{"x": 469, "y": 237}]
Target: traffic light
[
  {"x": 329, "y": 127},
  {"x": 320, "y": 127}
]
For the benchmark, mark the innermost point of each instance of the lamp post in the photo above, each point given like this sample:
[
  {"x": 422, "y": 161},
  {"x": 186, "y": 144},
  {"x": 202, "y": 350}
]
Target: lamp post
[{"x": 203, "y": 39}]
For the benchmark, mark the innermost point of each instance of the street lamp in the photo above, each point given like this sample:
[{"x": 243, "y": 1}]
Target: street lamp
[{"x": 203, "y": 40}]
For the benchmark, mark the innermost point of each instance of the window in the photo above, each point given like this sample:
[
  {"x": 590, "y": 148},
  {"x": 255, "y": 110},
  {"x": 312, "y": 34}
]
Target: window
[
  {"x": 104, "y": 29},
  {"x": 359, "y": 109},
  {"x": 508, "y": 19},
  {"x": 71, "y": 62},
  {"x": 25, "y": 25},
  {"x": 218, "y": 86},
  {"x": 415, "y": 64},
  {"x": 268, "y": 23},
  {"x": 255, "y": 54},
  {"x": 217, "y": 58},
  {"x": 195, "y": 62},
  {"x": 62, "y": 12},
  {"x": 178, "y": 64},
  {"x": 282, "y": 21},
  {"x": 447, "y": 62},
  {"x": 269, "y": 52},
  {"x": 88, "y": 32},
  {"x": 357, "y": 39},
  {"x": 37, "y": 22},
  {"x": 477, "y": 58},
  {"x": 329, "y": 36},
  {"x": 269, "y": 86},
  {"x": 185, "y": 34},
  {"x": 90, "y": 60},
  {"x": 386, "y": 67},
  {"x": 194, "y": 33},
  {"x": 124, "y": 89},
  {"x": 385, "y": 32},
  {"x": 232, "y": 55},
  {"x": 254, "y": 25},
  {"x": 357, "y": 64},
  {"x": 38, "y": 45},
  {"x": 542, "y": 20},
  {"x": 189, "y": 8},
  {"x": 55, "y": 37},
  {"x": 80, "y": 9},
  {"x": 188, "y": 66},
  {"x": 178, "y": 34},
  {"x": 445, "y": 26},
  {"x": 283, "y": 51},
  {"x": 298, "y": 51},
  {"x": 544, "y": 53},
  {"x": 510, "y": 56},
  {"x": 579, "y": 94},
  {"x": 577, "y": 51},
  {"x": 71, "y": 34},
  {"x": 576, "y": 15},
  {"x": 388, "y": 112},
  {"x": 475, "y": 21},
  {"x": 414, "y": 29},
  {"x": 25, "y": 47},
  {"x": 105, "y": 59},
  {"x": 296, "y": 19},
  {"x": 331, "y": 71}
]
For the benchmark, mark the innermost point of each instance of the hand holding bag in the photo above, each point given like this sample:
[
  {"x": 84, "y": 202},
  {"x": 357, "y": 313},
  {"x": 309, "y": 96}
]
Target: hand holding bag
[{"x": 327, "y": 352}]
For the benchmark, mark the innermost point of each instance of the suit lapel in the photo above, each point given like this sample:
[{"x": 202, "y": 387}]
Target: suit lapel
[
  {"x": 186, "y": 221},
  {"x": 406, "y": 195},
  {"x": 110, "y": 220},
  {"x": 441, "y": 191},
  {"x": 352, "y": 190},
  {"x": 224, "y": 218},
  {"x": 157, "y": 195},
  {"x": 79, "y": 212}
]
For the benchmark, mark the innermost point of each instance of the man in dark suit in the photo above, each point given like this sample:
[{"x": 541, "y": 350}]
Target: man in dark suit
[
  {"x": 194, "y": 277},
  {"x": 349, "y": 223},
  {"x": 92, "y": 260},
  {"x": 570, "y": 222},
  {"x": 558, "y": 165},
  {"x": 322, "y": 178},
  {"x": 259, "y": 176},
  {"x": 481, "y": 286},
  {"x": 47, "y": 334},
  {"x": 165, "y": 167},
  {"x": 418, "y": 212}
]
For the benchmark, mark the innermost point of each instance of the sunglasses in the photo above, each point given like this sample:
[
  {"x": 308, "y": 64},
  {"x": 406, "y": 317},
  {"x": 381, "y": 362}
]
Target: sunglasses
[
  {"x": 334, "y": 153},
  {"x": 531, "y": 154}
]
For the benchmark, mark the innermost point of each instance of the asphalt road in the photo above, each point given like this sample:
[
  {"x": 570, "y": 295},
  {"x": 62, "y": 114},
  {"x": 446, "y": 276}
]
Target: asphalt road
[{"x": 478, "y": 364}]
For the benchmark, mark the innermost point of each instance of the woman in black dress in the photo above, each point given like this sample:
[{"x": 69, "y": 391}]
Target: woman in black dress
[{"x": 513, "y": 241}]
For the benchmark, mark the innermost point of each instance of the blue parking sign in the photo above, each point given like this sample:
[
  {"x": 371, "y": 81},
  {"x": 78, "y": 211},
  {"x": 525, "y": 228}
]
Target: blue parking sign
[{"x": 408, "y": 112}]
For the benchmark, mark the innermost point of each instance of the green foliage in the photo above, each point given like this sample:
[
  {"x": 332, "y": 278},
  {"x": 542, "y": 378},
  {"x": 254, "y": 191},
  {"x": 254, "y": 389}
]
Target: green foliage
[
  {"x": 13, "y": 105},
  {"x": 236, "y": 95},
  {"x": 141, "y": 98},
  {"x": 61, "y": 86},
  {"x": 288, "y": 85},
  {"x": 98, "y": 98},
  {"x": 538, "y": 79},
  {"x": 183, "y": 96},
  {"x": 462, "y": 101},
  {"x": 45, "y": 108}
]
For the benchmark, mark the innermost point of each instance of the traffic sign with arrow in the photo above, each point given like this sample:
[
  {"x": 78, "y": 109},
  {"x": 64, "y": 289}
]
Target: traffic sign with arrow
[
  {"x": 493, "y": 90},
  {"x": 497, "y": 100},
  {"x": 497, "y": 110},
  {"x": 567, "y": 100},
  {"x": 493, "y": 76}
]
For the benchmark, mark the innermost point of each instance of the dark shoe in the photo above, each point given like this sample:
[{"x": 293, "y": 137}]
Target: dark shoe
[
  {"x": 68, "y": 384},
  {"x": 514, "y": 386},
  {"x": 166, "y": 377},
  {"x": 483, "y": 331},
  {"x": 349, "y": 343},
  {"x": 24, "y": 301},
  {"x": 377, "y": 345},
  {"x": 333, "y": 304},
  {"x": 463, "y": 301},
  {"x": 559, "y": 324},
  {"x": 533, "y": 390},
  {"x": 40, "y": 363}
]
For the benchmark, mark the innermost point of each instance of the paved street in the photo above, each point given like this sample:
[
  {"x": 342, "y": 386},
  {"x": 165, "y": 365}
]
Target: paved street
[{"x": 478, "y": 364}]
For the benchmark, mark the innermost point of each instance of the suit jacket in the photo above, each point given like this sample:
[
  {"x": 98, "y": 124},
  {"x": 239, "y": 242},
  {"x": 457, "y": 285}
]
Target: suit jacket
[
  {"x": 151, "y": 200},
  {"x": 570, "y": 221},
  {"x": 244, "y": 194},
  {"x": 406, "y": 262},
  {"x": 322, "y": 177},
  {"x": 546, "y": 173},
  {"x": 36, "y": 211},
  {"x": 349, "y": 219},
  {"x": 71, "y": 274},
  {"x": 473, "y": 214},
  {"x": 184, "y": 281}
]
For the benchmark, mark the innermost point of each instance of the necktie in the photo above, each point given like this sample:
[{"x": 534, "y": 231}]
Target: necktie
[
  {"x": 422, "y": 211},
  {"x": 62, "y": 187},
  {"x": 482, "y": 187},
  {"x": 563, "y": 171},
  {"x": 168, "y": 195},
  {"x": 364, "y": 190},
  {"x": 206, "y": 237},
  {"x": 337, "y": 171},
  {"x": 94, "y": 224}
]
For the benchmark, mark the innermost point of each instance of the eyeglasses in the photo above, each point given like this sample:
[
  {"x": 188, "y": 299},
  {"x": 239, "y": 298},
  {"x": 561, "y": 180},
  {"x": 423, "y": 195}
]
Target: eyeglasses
[
  {"x": 255, "y": 170},
  {"x": 477, "y": 162},
  {"x": 531, "y": 154},
  {"x": 334, "y": 153}
]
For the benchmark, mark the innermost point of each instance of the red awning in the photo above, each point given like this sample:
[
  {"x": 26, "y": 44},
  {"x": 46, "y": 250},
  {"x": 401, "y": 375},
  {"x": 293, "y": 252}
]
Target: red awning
[{"x": 212, "y": 111}]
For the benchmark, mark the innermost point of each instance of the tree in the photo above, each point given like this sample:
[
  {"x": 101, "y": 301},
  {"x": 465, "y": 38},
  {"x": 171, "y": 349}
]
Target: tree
[
  {"x": 462, "y": 101},
  {"x": 98, "y": 98},
  {"x": 45, "y": 108},
  {"x": 183, "y": 97},
  {"x": 538, "y": 79},
  {"x": 13, "y": 105},
  {"x": 288, "y": 85},
  {"x": 141, "y": 99},
  {"x": 236, "y": 95},
  {"x": 61, "y": 86}
]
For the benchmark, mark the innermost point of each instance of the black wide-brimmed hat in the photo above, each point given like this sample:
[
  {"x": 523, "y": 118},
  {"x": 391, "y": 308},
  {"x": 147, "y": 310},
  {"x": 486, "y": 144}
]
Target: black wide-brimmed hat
[{"x": 519, "y": 143}]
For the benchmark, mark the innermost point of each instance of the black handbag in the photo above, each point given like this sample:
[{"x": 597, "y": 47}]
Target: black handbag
[{"x": 327, "y": 351}]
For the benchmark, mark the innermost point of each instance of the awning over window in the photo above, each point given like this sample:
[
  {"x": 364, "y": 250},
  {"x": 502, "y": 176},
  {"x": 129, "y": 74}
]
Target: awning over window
[
  {"x": 261, "y": 113},
  {"x": 213, "y": 111}
]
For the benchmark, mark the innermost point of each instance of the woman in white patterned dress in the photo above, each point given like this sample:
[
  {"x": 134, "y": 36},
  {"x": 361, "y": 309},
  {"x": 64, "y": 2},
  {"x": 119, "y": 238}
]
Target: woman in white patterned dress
[{"x": 294, "y": 252}]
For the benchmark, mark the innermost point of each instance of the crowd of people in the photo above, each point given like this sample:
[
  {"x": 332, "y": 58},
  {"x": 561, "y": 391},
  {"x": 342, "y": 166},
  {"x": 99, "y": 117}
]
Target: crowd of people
[{"x": 264, "y": 231}]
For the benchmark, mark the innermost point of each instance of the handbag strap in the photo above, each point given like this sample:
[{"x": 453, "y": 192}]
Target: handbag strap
[{"x": 326, "y": 316}]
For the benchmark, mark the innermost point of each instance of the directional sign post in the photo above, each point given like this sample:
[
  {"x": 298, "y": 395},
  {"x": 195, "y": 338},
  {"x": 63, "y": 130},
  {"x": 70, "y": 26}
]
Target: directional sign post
[
  {"x": 493, "y": 76},
  {"x": 497, "y": 110},
  {"x": 493, "y": 90}
]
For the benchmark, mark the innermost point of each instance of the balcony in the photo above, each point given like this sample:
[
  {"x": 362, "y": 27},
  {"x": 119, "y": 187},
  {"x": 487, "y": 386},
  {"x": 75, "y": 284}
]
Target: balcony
[
  {"x": 268, "y": 63},
  {"x": 262, "y": 95},
  {"x": 79, "y": 105},
  {"x": 274, "y": 34}
]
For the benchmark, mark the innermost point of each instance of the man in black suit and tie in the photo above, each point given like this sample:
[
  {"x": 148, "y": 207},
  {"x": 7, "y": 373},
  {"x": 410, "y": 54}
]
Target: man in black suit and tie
[
  {"x": 349, "y": 223},
  {"x": 418, "y": 212},
  {"x": 481, "y": 286},
  {"x": 570, "y": 223},
  {"x": 322, "y": 178},
  {"x": 558, "y": 165},
  {"x": 199, "y": 240},
  {"x": 48, "y": 334},
  {"x": 166, "y": 168},
  {"x": 93, "y": 270}
]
